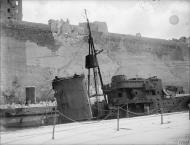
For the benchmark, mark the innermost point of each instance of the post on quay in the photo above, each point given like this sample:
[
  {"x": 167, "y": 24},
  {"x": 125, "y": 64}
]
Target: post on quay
[
  {"x": 189, "y": 110},
  {"x": 54, "y": 122},
  {"x": 127, "y": 110},
  {"x": 118, "y": 118},
  {"x": 161, "y": 110}
]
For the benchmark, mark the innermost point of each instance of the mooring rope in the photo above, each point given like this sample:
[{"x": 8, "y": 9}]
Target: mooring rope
[
  {"x": 63, "y": 115},
  {"x": 139, "y": 114}
]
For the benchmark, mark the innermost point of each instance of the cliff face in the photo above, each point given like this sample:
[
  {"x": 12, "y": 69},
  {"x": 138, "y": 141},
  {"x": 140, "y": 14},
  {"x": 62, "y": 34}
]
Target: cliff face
[
  {"x": 31, "y": 56},
  {"x": 142, "y": 57},
  {"x": 123, "y": 54}
]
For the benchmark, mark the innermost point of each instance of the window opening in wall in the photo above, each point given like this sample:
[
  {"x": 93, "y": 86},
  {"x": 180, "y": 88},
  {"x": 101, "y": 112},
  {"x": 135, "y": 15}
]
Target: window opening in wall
[
  {"x": 17, "y": 3},
  {"x": 153, "y": 93},
  {"x": 119, "y": 95}
]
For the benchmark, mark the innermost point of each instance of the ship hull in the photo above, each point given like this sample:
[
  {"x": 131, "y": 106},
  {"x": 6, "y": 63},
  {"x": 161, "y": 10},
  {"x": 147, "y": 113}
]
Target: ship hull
[{"x": 27, "y": 116}]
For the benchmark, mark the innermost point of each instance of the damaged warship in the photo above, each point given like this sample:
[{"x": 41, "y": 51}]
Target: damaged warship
[{"x": 140, "y": 96}]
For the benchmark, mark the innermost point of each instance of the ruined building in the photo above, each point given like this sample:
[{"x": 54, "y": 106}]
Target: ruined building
[
  {"x": 32, "y": 54},
  {"x": 11, "y": 9}
]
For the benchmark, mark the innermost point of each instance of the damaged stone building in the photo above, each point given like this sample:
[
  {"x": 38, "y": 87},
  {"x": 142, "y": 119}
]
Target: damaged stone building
[
  {"x": 32, "y": 54},
  {"x": 11, "y": 9}
]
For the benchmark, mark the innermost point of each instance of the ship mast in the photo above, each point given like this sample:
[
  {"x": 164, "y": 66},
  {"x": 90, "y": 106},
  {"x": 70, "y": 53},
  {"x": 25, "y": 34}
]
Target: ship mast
[{"x": 92, "y": 63}]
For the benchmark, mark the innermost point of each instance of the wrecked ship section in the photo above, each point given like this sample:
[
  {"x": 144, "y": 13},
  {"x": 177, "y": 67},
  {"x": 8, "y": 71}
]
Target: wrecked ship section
[
  {"x": 72, "y": 99},
  {"x": 140, "y": 96}
]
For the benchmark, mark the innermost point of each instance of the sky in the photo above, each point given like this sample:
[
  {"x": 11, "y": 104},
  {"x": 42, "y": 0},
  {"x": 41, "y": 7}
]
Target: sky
[{"x": 165, "y": 19}]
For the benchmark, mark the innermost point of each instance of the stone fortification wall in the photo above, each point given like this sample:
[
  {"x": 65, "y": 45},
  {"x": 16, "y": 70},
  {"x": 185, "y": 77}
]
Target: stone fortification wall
[
  {"x": 15, "y": 73},
  {"x": 95, "y": 27},
  {"x": 23, "y": 31}
]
